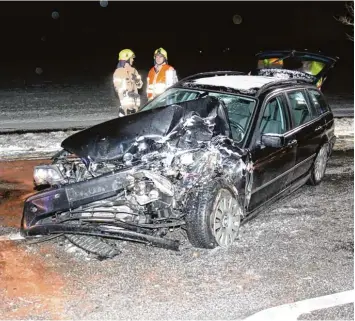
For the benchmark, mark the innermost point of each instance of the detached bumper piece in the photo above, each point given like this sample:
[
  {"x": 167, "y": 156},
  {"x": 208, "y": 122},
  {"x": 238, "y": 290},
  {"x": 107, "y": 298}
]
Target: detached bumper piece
[
  {"x": 47, "y": 203},
  {"x": 103, "y": 232},
  {"x": 40, "y": 210},
  {"x": 93, "y": 245}
]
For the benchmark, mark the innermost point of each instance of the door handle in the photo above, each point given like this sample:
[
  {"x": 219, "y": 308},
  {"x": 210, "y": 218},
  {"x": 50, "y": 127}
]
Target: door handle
[
  {"x": 319, "y": 128},
  {"x": 292, "y": 143}
]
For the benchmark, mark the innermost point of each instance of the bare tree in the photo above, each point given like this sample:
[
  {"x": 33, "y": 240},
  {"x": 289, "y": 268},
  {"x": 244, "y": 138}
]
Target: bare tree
[{"x": 348, "y": 19}]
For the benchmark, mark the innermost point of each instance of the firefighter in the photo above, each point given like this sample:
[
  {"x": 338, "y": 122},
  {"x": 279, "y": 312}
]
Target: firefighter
[
  {"x": 127, "y": 81},
  {"x": 313, "y": 68},
  {"x": 161, "y": 75}
]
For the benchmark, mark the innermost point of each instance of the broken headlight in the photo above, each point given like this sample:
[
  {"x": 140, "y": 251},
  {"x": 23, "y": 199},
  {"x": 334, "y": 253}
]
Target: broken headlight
[
  {"x": 47, "y": 175},
  {"x": 145, "y": 192},
  {"x": 149, "y": 186}
]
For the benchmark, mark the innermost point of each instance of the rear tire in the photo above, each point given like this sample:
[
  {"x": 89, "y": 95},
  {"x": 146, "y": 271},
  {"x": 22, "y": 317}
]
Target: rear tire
[
  {"x": 213, "y": 217},
  {"x": 319, "y": 165}
]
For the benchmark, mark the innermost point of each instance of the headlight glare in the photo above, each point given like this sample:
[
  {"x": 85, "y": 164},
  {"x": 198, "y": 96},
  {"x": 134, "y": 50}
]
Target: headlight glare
[{"x": 47, "y": 175}]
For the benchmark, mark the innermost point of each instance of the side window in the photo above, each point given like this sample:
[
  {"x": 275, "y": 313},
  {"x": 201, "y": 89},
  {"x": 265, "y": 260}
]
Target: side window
[
  {"x": 318, "y": 101},
  {"x": 274, "y": 119},
  {"x": 299, "y": 107},
  {"x": 240, "y": 111}
]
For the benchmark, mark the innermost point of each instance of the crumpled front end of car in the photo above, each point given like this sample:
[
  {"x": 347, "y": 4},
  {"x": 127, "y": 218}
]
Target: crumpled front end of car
[{"x": 141, "y": 194}]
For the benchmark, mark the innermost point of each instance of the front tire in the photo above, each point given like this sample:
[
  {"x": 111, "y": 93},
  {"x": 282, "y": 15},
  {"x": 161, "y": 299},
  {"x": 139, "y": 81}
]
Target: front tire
[
  {"x": 213, "y": 217},
  {"x": 320, "y": 165}
]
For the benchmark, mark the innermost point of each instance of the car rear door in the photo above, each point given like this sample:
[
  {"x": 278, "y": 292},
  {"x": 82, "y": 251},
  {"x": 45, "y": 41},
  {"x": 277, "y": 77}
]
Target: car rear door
[
  {"x": 295, "y": 64},
  {"x": 307, "y": 128},
  {"x": 272, "y": 165},
  {"x": 323, "y": 109}
]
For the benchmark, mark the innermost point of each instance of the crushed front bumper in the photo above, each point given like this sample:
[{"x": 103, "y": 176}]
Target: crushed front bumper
[{"x": 40, "y": 211}]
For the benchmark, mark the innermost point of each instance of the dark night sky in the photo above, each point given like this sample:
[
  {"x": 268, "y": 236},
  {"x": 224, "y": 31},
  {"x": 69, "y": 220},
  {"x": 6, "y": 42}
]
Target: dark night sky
[{"x": 83, "y": 43}]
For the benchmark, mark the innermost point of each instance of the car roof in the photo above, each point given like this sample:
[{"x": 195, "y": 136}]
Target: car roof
[{"x": 236, "y": 82}]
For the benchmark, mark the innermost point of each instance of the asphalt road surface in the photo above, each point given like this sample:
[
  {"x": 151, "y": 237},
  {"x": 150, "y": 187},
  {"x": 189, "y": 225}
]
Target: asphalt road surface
[{"x": 300, "y": 248}]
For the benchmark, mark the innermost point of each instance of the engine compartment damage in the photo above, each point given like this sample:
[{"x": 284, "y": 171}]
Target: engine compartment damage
[{"x": 131, "y": 178}]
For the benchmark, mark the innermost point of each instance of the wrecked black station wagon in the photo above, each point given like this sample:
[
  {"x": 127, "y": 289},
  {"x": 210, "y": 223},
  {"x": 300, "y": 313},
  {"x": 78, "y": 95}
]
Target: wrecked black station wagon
[{"x": 206, "y": 154}]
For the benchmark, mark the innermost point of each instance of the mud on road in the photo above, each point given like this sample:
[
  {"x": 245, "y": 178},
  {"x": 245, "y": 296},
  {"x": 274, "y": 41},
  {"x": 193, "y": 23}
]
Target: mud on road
[{"x": 300, "y": 248}]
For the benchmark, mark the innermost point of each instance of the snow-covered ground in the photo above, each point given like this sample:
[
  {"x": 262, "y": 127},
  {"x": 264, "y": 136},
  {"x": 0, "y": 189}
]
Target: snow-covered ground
[
  {"x": 31, "y": 145},
  {"x": 66, "y": 107},
  {"x": 344, "y": 127},
  {"x": 42, "y": 145},
  {"x": 56, "y": 107},
  {"x": 62, "y": 107}
]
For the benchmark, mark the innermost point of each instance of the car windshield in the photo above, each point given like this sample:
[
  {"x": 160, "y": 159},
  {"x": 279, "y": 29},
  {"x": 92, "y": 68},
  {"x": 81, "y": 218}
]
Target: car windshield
[
  {"x": 172, "y": 96},
  {"x": 240, "y": 108}
]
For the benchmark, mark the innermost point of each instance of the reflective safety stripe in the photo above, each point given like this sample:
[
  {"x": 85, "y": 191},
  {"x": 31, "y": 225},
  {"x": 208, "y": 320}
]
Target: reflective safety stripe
[
  {"x": 156, "y": 89},
  {"x": 319, "y": 83},
  {"x": 159, "y": 88}
]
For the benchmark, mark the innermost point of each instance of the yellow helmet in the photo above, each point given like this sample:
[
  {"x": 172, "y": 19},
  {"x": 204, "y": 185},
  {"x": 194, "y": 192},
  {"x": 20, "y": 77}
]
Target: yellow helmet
[
  {"x": 162, "y": 52},
  {"x": 126, "y": 54}
]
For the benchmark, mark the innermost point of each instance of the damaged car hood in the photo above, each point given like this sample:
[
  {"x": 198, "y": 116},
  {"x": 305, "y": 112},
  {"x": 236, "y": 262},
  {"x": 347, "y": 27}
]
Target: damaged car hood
[{"x": 112, "y": 139}]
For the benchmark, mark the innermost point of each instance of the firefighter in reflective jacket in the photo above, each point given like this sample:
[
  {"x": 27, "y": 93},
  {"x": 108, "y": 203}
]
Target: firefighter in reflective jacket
[
  {"x": 161, "y": 75},
  {"x": 313, "y": 68},
  {"x": 127, "y": 81}
]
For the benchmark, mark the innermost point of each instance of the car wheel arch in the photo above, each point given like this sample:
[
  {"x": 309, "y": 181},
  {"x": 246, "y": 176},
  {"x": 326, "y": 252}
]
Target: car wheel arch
[{"x": 199, "y": 208}]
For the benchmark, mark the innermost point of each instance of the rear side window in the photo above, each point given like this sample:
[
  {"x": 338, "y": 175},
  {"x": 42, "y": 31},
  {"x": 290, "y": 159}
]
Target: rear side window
[
  {"x": 299, "y": 107},
  {"x": 318, "y": 101}
]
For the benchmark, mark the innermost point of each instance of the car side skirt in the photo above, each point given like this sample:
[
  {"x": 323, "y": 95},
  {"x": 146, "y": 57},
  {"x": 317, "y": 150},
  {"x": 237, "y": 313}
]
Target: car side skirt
[{"x": 288, "y": 190}]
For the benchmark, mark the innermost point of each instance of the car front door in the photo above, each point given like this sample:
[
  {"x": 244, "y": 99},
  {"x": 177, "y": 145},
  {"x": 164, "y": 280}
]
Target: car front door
[
  {"x": 308, "y": 128},
  {"x": 272, "y": 165}
]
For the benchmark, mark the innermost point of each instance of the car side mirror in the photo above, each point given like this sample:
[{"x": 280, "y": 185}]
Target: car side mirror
[{"x": 272, "y": 140}]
